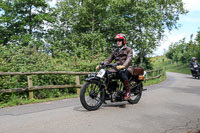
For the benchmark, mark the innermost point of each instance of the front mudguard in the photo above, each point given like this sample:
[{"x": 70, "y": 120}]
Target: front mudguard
[
  {"x": 90, "y": 79},
  {"x": 100, "y": 84},
  {"x": 96, "y": 80}
]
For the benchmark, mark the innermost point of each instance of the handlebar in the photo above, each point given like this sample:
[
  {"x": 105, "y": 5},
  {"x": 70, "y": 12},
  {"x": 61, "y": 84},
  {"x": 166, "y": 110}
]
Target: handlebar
[
  {"x": 102, "y": 65},
  {"x": 111, "y": 65},
  {"x": 108, "y": 65}
]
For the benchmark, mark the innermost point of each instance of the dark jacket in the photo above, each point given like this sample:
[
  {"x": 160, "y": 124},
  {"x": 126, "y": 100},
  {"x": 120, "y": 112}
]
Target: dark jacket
[
  {"x": 192, "y": 63},
  {"x": 122, "y": 57}
]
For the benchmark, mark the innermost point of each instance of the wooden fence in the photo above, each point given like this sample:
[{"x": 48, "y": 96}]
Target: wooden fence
[{"x": 151, "y": 74}]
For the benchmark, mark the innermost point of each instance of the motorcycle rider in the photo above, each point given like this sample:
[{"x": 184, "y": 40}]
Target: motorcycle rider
[
  {"x": 193, "y": 63},
  {"x": 123, "y": 57}
]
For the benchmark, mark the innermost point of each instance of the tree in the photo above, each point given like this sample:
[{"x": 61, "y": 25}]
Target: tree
[
  {"x": 77, "y": 25},
  {"x": 145, "y": 22},
  {"x": 183, "y": 52},
  {"x": 23, "y": 21},
  {"x": 197, "y": 49}
]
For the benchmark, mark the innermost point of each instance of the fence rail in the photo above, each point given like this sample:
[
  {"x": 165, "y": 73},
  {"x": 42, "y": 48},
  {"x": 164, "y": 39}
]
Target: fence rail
[{"x": 151, "y": 74}]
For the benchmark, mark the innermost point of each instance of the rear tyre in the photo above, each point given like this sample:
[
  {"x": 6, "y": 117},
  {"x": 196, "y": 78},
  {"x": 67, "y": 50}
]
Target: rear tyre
[
  {"x": 198, "y": 74},
  {"x": 136, "y": 92},
  {"x": 91, "y": 95}
]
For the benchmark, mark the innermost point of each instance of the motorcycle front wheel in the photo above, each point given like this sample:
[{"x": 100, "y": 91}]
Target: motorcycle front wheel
[{"x": 91, "y": 95}]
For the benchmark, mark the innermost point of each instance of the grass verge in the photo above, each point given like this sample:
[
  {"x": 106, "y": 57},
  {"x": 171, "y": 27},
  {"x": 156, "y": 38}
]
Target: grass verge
[
  {"x": 161, "y": 62},
  {"x": 19, "y": 101},
  {"x": 155, "y": 81}
]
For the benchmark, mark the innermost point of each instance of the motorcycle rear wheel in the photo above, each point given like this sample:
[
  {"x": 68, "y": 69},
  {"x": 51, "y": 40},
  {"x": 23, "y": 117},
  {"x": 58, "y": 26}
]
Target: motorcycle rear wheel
[
  {"x": 198, "y": 75},
  {"x": 91, "y": 96},
  {"x": 136, "y": 96}
]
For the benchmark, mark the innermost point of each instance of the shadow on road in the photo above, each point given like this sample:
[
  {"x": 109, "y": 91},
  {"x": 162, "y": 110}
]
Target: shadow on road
[
  {"x": 120, "y": 105},
  {"x": 111, "y": 105},
  {"x": 191, "y": 78}
]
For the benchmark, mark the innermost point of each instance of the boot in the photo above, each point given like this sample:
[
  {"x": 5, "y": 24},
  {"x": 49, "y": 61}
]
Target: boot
[{"x": 127, "y": 86}]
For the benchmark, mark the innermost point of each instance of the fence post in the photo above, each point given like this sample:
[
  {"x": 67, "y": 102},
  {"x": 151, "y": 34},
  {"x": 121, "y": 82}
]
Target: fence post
[
  {"x": 30, "y": 84},
  {"x": 153, "y": 74},
  {"x": 78, "y": 83},
  {"x": 157, "y": 72}
]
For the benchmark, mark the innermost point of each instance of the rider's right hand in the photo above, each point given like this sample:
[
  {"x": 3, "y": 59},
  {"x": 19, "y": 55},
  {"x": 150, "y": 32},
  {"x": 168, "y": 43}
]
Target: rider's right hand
[{"x": 97, "y": 67}]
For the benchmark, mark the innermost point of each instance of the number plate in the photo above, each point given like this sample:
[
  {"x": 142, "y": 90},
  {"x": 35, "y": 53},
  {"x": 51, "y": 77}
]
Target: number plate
[
  {"x": 91, "y": 75},
  {"x": 195, "y": 66},
  {"x": 101, "y": 73}
]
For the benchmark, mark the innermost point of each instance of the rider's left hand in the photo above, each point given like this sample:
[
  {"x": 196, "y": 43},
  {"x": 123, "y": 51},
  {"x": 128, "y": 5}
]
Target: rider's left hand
[
  {"x": 97, "y": 67},
  {"x": 120, "y": 67}
]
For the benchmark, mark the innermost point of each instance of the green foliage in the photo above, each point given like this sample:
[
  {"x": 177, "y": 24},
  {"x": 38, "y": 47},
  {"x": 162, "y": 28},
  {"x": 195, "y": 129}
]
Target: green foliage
[
  {"x": 146, "y": 63},
  {"x": 156, "y": 81},
  {"x": 142, "y": 21},
  {"x": 170, "y": 66},
  {"x": 28, "y": 59},
  {"x": 183, "y": 52},
  {"x": 75, "y": 26},
  {"x": 23, "y": 21}
]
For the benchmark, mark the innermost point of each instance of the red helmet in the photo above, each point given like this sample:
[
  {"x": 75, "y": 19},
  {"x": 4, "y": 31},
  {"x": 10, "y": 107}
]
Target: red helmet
[{"x": 121, "y": 36}]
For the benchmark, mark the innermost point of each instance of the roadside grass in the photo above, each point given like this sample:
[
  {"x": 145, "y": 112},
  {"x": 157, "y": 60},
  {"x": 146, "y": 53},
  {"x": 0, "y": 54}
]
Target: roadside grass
[
  {"x": 155, "y": 81},
  {"x": 163, "y": 62},
  {"x": 179, "y": 68},
  {"x": 21, "y": 101}
]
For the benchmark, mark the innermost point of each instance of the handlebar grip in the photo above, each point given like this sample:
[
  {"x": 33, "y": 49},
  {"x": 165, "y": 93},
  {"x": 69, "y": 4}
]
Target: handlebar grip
[{"x": 109, "y": 65}]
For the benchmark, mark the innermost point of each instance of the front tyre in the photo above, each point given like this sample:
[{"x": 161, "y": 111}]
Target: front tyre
[
  {"x": 136, "y": 92},
  {"x": 91, "y": 95}
]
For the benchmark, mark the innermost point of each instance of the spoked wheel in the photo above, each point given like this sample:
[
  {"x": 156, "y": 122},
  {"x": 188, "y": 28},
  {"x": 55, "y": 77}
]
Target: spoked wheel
[
  {"x": 91, "y": 96},
  {"x": 136, "y": 92}
]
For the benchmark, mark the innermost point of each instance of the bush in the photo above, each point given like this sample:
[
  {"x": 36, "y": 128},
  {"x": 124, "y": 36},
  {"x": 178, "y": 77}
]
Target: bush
[{"x": 28, "y": 59}]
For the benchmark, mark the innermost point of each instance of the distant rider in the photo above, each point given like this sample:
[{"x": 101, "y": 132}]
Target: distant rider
[{"x": 193, "y": 64}]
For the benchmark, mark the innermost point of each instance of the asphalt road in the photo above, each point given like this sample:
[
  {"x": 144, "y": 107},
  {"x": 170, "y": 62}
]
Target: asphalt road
[{"x": 172, "y": 106}]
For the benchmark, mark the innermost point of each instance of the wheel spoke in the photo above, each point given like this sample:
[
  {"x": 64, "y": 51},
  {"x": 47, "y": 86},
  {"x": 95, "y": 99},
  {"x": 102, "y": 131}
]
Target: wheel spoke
[{"x": 98, "y": 99}]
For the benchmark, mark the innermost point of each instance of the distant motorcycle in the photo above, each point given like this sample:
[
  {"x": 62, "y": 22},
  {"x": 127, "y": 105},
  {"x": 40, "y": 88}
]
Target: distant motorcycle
[
  {"x": 105, "y": 85},
  {"x": 196, "y": 73}
]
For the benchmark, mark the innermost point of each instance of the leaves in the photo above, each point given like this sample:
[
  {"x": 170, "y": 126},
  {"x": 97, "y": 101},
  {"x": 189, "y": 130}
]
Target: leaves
[
  {"x": 183, "y": 52},
  {"x": 21, "y": 19}
]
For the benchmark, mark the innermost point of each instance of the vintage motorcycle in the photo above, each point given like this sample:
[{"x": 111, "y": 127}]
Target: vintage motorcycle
[
  {"x": 196, "y": 73},
  {"x": 105, "y": 85}
]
